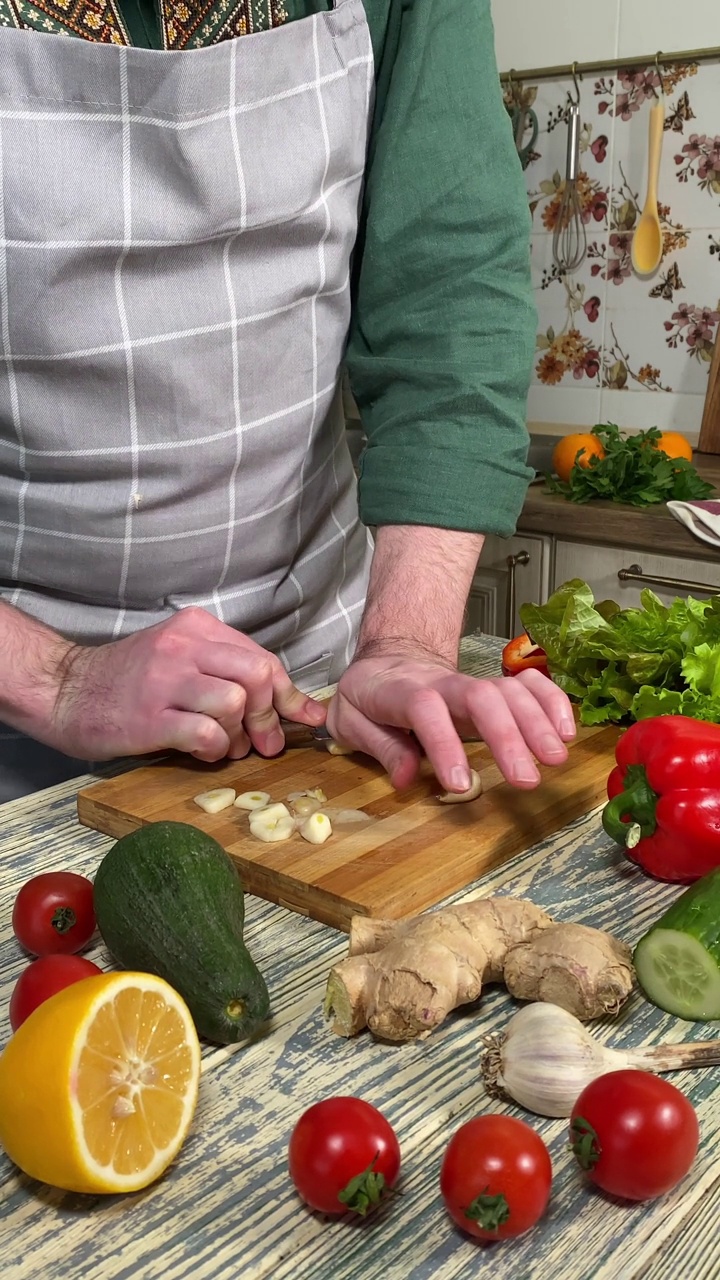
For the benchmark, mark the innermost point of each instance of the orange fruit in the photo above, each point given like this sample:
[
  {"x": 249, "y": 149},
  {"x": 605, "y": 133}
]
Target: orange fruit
[
  {"x": 98, "y": 1086},
  {"x": 675, "y": 445},
  {"x": 566, "y": 451}
]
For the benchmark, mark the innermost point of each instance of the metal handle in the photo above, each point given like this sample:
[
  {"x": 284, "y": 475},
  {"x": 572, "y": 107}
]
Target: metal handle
[
  {"x": 573, "y": 143},
  {"x": 634, "y": 573},
  {"x": 512, "y": 562}
]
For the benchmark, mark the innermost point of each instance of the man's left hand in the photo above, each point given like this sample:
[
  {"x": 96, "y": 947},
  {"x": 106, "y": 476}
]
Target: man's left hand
[{"x": 383, "y": 699}]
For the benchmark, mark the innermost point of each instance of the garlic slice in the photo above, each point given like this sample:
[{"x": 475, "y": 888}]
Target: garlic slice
[
  {"x": 272, "y": 823},
  {"x": 346, "y": 817},
  {"x": 316, "y": 829},
  {"x": 216, "y": 800},
  {"x": 304, "y": 806},
  {"x": 252, "y": 800}
]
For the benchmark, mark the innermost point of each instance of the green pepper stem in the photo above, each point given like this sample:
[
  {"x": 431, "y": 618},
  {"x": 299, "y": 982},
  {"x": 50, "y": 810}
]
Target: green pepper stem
[{"x": 636, "y": 803}]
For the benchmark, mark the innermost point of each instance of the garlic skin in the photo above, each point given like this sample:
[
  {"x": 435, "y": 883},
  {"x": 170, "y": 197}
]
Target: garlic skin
[
  {"x": 546, "y": 1057},
  {"x": 545, "y": 1060}
]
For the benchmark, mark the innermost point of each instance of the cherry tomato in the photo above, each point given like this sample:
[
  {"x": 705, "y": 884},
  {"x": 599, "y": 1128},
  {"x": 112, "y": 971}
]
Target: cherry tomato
[
  {"x": 54, "y": 914},
  {"x": 495, "y": 1177},
  {"x": 44, "y": 978},
  {"x": 635, "y": 1135},
  {"x": 344, "y": 1156}
]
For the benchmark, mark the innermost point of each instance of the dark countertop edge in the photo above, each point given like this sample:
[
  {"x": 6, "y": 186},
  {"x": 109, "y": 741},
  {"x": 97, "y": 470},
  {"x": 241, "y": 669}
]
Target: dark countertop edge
[{"x": 616, "y": 524}]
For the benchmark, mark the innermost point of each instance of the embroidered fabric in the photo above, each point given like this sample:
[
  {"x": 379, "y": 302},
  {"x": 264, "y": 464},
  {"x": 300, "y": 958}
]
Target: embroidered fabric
[{"x": 184, "y": 24}]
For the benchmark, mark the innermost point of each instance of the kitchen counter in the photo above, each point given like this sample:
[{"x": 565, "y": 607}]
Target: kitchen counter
[
  {"x": 600, "y": 522},
  {"x": 226, "y": 1210}
]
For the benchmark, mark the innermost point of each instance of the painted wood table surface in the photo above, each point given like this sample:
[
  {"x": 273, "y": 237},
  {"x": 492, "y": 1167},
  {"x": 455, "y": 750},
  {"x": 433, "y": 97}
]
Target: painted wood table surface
[{"x": 226, "y": 1210}]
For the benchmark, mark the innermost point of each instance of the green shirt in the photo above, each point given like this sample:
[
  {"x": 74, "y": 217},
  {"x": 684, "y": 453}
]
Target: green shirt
[{"x": 443, "y": 323}]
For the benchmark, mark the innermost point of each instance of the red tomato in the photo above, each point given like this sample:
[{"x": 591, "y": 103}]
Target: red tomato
[
  {"x": 343, "y": 1156},
  {"x": 54, "y": 913},
  {"x": 44, "y": 978},
  {"x": 495, "y": 1177},
  {"x": 521, "y": 654},
  {"x": 635, "y": 1135}
]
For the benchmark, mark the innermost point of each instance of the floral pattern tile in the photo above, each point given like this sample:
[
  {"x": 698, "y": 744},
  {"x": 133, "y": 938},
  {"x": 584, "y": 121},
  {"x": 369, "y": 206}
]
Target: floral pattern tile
[{"x": 602, "y": 325}]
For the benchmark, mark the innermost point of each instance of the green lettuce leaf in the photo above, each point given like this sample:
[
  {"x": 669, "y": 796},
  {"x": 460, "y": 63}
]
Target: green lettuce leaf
[{"x": 624, "y": 664}]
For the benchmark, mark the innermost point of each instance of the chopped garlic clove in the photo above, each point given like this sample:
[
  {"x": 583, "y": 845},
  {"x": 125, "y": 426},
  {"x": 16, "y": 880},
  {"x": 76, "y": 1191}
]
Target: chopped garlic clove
[
  {"x": 216, "y": 800},
  {"x": 304, "y": 806},
  {"x": 252, "y": 800},
  {"x": 272, "y": 823},
  {"x": 316, "y": 828},
  {"x": 271, "y": 812},
  {"x": 337, "y": 749},
  {"x": 474, "y": 790},
  {"x": 273, "y": 829}
]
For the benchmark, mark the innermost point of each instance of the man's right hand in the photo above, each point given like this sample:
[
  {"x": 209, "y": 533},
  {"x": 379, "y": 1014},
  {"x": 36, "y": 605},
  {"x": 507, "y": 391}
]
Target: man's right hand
[{"x": 190, "y": 684}]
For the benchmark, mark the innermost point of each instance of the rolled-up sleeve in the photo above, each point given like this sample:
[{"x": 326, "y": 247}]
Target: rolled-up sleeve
[{"x": 442, "y": 337}]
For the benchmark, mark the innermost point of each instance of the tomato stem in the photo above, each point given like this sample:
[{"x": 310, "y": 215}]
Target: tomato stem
[
  {"x": 365, "y": 1191},
  {"x": 489, "y": 1211},
  {"x": 585, "y": 1143},
  {"x": 63, "y": 919}
]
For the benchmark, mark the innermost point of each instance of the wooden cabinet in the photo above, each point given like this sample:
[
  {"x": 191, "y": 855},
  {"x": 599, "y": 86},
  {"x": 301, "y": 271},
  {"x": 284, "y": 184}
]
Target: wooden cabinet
[
  {"x": 510, "y": 571},
  {"x": 601, "y": 566}
]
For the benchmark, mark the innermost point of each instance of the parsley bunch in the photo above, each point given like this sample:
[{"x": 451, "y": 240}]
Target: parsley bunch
[{"x": 634, "y": 471}]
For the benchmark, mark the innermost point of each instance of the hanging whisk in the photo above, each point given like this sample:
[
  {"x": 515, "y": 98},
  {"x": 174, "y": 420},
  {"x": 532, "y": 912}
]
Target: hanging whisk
[{"x": 569, "y": 238}]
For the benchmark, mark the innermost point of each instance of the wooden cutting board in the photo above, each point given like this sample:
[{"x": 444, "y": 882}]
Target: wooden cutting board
[{"x": 413, "y": 854}]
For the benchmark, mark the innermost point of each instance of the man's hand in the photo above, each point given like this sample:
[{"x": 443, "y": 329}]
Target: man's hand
[
  {"x": 381, "y": 698},
  {"x": 190, "y": 683},
  {"x": 404, "y": 678}
]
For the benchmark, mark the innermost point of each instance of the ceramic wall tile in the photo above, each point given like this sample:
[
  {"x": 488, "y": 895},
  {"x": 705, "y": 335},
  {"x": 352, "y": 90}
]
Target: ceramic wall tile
[{"x": 649, "y": 338}]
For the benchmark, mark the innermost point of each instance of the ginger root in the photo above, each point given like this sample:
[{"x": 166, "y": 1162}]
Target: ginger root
[
  {"x": 403, "y": 977},
  {"x": 585, "y": 971}
]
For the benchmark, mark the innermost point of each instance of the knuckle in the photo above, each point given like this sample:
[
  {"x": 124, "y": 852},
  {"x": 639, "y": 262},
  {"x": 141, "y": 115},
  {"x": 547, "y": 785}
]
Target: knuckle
[
  {"x": 235, "y": 701},
  {"x": 425, "y": 701},
  {"x": 261, "y": 718},
  {"x": 210, "y": 742}
]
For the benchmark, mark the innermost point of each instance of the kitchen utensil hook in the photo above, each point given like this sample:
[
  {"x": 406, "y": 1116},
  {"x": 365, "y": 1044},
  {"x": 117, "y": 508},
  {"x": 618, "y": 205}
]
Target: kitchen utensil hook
[
  {"x": 576, "y": 100},
  {"x": 661, "y": 94}
]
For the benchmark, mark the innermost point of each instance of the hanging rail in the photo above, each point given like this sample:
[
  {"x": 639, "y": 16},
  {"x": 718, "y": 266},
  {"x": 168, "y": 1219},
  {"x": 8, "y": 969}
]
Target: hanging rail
[{"x": 611, "y": 64}]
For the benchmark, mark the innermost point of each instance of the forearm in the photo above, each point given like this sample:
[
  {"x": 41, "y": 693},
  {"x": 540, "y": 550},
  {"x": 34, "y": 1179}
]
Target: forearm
[
  {"x": 419, "y": 585},
  {"x": 33, "y": 660}
]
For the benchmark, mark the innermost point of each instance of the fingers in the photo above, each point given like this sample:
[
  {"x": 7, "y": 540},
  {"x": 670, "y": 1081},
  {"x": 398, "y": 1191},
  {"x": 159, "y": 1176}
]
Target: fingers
[
  {"x": 434, "y": 728},
  {"x": 197, "y": 735},
  {"x": 516, "y": 728},
  {"x": 257, "y": 675},
  {"x": 554, "y": 702},
  {"x": 292, "y": 704},
  {"x": 395, "y": 750}
]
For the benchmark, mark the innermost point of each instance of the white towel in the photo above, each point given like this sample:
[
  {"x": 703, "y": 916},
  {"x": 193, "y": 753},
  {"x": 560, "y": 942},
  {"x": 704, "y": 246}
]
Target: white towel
[{"x": 701, "y": 518}]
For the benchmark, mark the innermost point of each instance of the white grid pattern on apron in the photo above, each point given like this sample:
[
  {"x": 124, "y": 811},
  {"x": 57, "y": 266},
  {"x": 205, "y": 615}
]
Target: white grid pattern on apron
[{"x": 267, "y": 534}]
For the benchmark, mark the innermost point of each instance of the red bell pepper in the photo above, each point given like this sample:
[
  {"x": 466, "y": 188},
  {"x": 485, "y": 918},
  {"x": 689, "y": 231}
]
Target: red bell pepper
[
  {"x": 664, "y": 797},
  {"x": 521, "y": 654}
]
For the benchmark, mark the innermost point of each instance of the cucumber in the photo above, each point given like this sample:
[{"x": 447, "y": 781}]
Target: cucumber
[
  {"x": 168, "y": 901},
  {"x": 678, "y": 960}
]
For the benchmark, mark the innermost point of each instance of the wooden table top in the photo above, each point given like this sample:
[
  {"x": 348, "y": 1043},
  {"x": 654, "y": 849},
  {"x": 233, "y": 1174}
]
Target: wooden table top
[
  {"x": 611, "y": 523},
  {"x": 226, "y": 1210}
]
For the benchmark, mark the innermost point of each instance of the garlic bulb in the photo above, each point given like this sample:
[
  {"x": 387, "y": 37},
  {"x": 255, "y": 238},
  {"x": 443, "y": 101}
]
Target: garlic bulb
[{"x": 546, "y": 1057}]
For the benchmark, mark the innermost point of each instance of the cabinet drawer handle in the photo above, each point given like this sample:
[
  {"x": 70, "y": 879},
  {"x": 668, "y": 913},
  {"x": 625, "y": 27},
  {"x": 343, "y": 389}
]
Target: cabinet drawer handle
[
  {"x": 512, "y": 562},
  {"x": 634, "y": 573}
]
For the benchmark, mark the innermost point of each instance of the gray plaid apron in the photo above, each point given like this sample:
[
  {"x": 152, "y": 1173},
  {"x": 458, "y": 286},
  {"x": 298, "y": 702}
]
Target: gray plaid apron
[{"x": 175, "y": 239}]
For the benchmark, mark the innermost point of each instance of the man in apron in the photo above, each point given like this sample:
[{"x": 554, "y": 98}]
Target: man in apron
[{"x": 206, "y": 209}]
